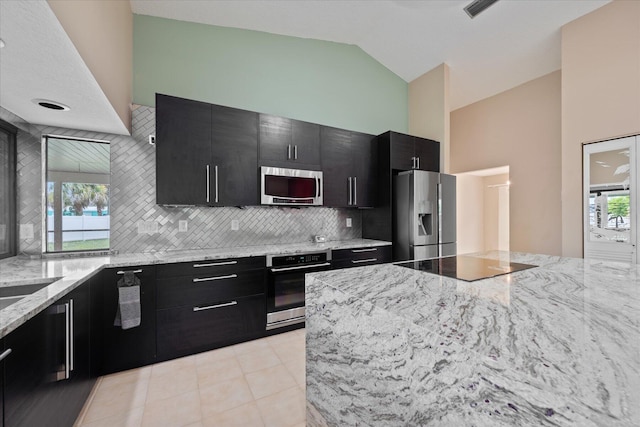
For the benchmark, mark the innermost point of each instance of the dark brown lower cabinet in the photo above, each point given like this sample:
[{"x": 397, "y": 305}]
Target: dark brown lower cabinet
[
  {"x": 114, "y": 349},
  {"x": 359, "y": 257},
  {"x": 47, "y": 377},
  {"x": 194, "y": 328}
]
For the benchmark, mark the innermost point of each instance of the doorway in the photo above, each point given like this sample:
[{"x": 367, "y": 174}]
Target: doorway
[
  {"x": 483, "y": 210},
  {"x": 610, "y": 189}
]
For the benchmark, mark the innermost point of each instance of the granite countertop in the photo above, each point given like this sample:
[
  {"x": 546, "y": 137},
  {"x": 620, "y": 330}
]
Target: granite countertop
[
  {"x": 554, "y": 345},
  {"x": 59, "y": 276}
]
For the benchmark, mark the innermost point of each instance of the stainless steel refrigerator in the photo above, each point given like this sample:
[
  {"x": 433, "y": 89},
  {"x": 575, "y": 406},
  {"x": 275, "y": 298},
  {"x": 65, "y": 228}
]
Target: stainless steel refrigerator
[{"x": 424, "y": 215}]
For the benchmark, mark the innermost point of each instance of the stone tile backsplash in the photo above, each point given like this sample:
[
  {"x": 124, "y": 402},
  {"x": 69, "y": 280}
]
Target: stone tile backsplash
[{"x": 133, "y": 201}]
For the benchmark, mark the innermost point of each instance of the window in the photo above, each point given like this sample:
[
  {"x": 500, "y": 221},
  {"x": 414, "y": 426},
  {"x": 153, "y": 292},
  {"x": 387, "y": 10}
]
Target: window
[
  {"x": 7, "y": 190},
  {"x": 77, "y": 194}
]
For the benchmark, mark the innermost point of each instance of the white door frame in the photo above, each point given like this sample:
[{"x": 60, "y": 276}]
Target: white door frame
[{"x": 611, "y": 250}]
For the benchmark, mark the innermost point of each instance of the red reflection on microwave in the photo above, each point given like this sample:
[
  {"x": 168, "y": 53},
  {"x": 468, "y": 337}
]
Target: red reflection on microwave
[{"x": 286, "y": 186}]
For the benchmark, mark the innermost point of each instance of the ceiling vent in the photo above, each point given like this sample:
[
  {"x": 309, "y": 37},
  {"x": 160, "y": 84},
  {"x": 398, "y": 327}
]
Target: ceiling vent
[
  {"x": 477, "y": 6},
  {"x": 52, "y": 105}
]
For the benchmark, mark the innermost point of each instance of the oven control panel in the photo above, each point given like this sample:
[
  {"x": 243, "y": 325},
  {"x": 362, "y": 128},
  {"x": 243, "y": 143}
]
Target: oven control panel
[{"x": 299, "y": 259}]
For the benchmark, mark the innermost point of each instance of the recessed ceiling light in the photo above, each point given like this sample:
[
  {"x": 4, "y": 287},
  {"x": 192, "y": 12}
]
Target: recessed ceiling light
[
  {"x": 1, "y": 43},
  {"x": 52, "y": 105}
]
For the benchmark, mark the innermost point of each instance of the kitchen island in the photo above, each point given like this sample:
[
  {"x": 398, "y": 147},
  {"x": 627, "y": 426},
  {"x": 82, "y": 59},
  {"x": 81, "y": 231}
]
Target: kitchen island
[{"x": 558, "y": 344}]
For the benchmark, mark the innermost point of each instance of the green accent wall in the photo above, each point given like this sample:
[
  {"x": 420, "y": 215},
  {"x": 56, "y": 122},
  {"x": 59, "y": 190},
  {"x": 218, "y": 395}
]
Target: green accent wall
[{"x": 322, "y": 82}]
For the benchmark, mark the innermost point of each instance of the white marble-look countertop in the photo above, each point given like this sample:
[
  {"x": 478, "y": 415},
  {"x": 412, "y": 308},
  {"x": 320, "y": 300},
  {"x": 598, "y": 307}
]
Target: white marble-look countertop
[
  {"x": 59, "y": 276},
  {"x": 554, "y": 345}
]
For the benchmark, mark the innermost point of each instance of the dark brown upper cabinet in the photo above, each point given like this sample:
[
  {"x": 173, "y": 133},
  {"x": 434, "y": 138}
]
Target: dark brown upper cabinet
[
  {"x": 205, "y": 154},
  {"x": 348, "y": 163},
  {"x": 412, "y": 152},
  {"x": 289, "y": 143}
]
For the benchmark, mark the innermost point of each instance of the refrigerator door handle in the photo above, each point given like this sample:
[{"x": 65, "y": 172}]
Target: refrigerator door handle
[{"x": 439, "y": 212}]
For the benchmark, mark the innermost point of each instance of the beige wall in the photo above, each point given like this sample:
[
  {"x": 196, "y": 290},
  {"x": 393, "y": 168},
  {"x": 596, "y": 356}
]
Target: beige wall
[
  {"x": 429, "y": 109},
  {"x": 600, "y": 97},
  {"x": 102, "y": 31},
  {"x": 469, "y": 213},
  {"x": 519, "y": 128}
]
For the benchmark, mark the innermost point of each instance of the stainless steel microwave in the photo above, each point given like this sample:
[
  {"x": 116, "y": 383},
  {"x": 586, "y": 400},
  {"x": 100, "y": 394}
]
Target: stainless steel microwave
[{"x": 290, "y": 187}]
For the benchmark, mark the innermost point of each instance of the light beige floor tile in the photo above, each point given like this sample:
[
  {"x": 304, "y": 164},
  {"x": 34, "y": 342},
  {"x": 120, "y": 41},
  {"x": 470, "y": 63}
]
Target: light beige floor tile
[
  {"x": 218, "y": 371},
  {"x": 286, "y": 408},
  {"x": 175, "y": 411},
  {"x": 269, "y": 381},
  {"x": 180, "y": 380},
  {"x": 171, "y": 365},
  {"x": 258, "y": 359},
  {"x": 250, "y": 346},
  {"x": 116, "y": 400},
  {"x": 243, "y": 416},
  {"x": 126, "y": 377},
  {"x": 196, "y": 424},
  {"x": 291, "y": 349},
  {"x": 297, "y": 368},
  {"x": 214, "y": 355},
  {"x": 274, "y": 340},
  {"x": 223, "y": 396},
  {"x": 131, "y": 418}
]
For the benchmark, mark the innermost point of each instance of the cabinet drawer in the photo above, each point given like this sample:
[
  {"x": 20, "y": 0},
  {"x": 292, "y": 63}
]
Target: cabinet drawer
[
  {"x": 191, "y": 329},
  {"x": 209, "y": 288},
  {"x": 382, "y": 253},
  {"x": 210, "y": 267}
]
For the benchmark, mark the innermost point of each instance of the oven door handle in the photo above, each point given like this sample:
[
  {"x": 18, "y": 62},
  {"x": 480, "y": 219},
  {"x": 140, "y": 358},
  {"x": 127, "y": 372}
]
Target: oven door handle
[{"x": 300, "y": 267}]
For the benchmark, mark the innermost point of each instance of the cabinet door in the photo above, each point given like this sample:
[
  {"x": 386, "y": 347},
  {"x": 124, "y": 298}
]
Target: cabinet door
[
  {"x": 335, "y": 147},
  {"x": 183, "y": 151},
  {"x": 113, "y": 348},
  {"x": 365, "y": 161},
  {"x": 275, "y": 140},
  {"x": 27, "y": 400},
  {"x": 187, "y": 330},
  {"x": 428, "y": 154},
  {"x": 306, "y": 144},
  {"x": 234, "y": 157},
  {"x": 402, "y": 151}
]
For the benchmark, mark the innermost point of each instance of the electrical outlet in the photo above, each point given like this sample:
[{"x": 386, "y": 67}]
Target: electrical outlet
[
  {"x": 182, "y": 225},
  {"x": 348, "y": 222},
  {"x": 235, "y": 225},
  {"x": 26, "y": 231}
]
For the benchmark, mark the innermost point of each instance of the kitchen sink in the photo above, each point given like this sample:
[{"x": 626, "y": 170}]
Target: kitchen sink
[{"x": 12, "y": 294}]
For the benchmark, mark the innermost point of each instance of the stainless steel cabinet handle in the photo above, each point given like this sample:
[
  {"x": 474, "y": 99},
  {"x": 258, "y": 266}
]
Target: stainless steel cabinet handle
[
  {"x": 357, "y": 251},
  {"x": 5, "y": 354},
  {"x": 350, "y": 192},
  {"x": 71, "y": 336},
  {"x": 295, "y": 152},
  {"x": 208, "y": 184},
  {"x": 413, "y": 163},
  {"x": 355, "y": 190},
  {"x": 214, "y": 264},
  {"x": 210, "y": 279},
  {"x": 67, "y": 344},
  {"x": 132, "y": 271},
  {"x": 301, "y": 267},
  {"x": 318, "y": 187},
  {"x": 360, "y": 261},
  {"x": 289, "y": 152},
  {"x": 418, "y": 161},
  {"x": 209, "y": 307},
  {"x": 216, "y": 174}
]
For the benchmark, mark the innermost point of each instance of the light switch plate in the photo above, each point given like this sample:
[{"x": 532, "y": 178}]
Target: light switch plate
[
  {"x": 182, "y": 225},
  {"x": 348, "y": 222},
  {"x": 235, "y": 225}
]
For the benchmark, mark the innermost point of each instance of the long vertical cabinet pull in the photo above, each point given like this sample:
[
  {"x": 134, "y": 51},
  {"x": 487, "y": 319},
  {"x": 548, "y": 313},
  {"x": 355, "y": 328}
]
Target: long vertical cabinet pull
[
  {"x": 71, "y": 336},
  {"x": 418, "y": 161},
  {"x": 295, "y": 152},
  {"x": 350, "y": 192},
  {"x": 289, "y": 152},
  {"x": 216, "y": 174},
  {"x": 208, "y": 183},
  {"x": 67, "y": 344},
  {"x": 355, "y": 190}
]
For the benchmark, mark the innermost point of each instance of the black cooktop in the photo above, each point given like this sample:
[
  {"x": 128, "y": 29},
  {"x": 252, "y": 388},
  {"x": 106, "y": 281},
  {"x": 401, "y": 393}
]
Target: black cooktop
[{"x": 466, "y": 267}]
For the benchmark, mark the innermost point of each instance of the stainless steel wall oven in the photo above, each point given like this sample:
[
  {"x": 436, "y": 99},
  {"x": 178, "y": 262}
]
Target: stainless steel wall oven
[{"x": 285, "y": 285}]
